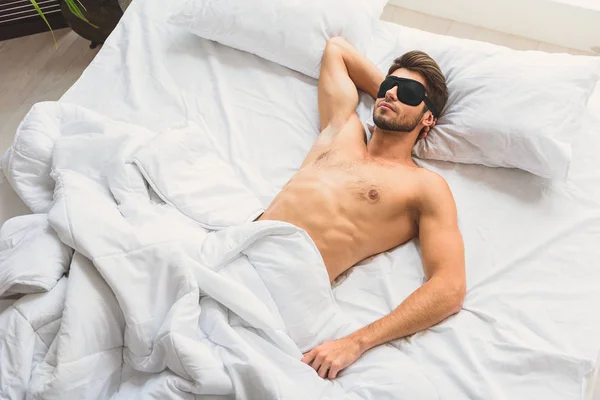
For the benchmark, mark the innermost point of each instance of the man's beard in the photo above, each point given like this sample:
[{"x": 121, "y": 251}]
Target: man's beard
[{"x": 388, "y": 124}]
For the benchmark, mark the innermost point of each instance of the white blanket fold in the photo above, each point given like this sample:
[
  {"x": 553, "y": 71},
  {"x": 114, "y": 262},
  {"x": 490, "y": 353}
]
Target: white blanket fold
[
  {"x": 85, "y": 358},
  {"x": 184, "y": 168},
  {"x": 32, "y": 258},
  {"x": 27, "y": 329}
]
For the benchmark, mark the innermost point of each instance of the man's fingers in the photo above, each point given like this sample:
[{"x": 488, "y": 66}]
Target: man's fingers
[
  {"x": 316, "y": 364},
  {"x": 309, "y": 357},
  {"x": 333, "y": 370},
  {"x": 324, "y": 369}
]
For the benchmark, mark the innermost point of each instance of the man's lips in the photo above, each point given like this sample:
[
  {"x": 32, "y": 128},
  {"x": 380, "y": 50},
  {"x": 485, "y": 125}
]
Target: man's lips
[{"x": 386, "y": 106}]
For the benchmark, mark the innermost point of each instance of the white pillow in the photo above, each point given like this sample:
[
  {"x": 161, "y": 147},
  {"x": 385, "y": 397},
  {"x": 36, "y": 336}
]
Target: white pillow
[
  {"x": 506, "y": 108},
  {"x": 292, "y": 33}
]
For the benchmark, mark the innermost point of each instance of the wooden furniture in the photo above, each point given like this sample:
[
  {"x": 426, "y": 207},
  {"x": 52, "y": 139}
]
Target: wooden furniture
[{"x": 19, "y": 18}]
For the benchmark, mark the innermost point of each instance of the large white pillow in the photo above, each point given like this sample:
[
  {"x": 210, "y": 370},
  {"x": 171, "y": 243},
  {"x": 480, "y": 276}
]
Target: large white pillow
[
  {"x": 292, "y": 33},
  {"x": 506, "y": 108}
]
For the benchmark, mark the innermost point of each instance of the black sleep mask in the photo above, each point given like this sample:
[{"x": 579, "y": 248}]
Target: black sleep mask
[{"x": 410, "y": 92}]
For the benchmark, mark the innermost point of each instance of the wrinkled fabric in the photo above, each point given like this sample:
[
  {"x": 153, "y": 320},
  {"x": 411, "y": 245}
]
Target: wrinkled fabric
[
  {"x": 228, "y": 312},
  {"x": 32, "y": 257}
]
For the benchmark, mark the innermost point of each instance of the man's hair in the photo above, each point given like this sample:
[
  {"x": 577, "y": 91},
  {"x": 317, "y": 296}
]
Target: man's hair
[{"x": 435, "y": 82}]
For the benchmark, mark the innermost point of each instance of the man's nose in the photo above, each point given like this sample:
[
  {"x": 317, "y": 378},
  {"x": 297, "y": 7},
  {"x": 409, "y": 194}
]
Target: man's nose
[{"x": 392, "y": 94}]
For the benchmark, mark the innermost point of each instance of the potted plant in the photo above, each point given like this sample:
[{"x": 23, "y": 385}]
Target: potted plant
[{"x": 93, "y": 20}]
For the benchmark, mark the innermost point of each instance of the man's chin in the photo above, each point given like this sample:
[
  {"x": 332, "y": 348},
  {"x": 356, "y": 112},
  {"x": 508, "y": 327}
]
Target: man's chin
[
  {"x": 382, "y": 122},
  {"x": 378, "y": 113},
  {"x": 387, "y": 124}
]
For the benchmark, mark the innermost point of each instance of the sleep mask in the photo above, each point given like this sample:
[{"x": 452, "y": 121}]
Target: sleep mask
[{"x": 409, "y": 92}]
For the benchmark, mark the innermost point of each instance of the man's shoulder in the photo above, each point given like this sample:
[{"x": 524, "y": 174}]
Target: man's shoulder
[
  {"x": 432, "y": 188},
  {"x": 417, "y": 179},
  {"x": 430, "y": 179}
]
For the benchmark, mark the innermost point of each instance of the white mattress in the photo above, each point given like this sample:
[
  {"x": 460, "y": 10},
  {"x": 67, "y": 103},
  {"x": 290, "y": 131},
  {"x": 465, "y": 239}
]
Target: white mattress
[{"x": 528, "y": 328}]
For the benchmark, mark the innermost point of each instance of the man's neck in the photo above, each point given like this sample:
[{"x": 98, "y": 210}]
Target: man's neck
[{"x": 392, "y": 146}]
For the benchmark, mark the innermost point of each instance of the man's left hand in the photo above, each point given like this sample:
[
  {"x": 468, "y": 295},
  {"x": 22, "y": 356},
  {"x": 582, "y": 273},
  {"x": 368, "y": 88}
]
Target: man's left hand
[{"x": 329, "y": 358}]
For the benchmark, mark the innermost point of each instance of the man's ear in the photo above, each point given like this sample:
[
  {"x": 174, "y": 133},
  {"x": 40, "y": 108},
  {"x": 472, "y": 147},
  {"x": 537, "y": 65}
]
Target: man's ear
[{"x": 428, "y": 122}]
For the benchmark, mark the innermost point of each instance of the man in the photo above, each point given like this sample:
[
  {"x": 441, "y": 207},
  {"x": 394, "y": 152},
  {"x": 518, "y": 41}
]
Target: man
[{"x": 356, "y": 199}]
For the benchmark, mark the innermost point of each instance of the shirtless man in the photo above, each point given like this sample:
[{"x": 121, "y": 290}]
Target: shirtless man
[{"x": 356, "y": 199}]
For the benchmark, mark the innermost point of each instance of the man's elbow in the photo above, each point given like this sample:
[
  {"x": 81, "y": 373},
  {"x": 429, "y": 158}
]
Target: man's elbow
[
  {"x": 456, "y": 297},
  {"x": 336, "y": 44},
  {"x": 336, "y": 41}
]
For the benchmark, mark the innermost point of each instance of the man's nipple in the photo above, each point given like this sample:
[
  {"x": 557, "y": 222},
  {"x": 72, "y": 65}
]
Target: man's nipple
[{"x": 373, "y": 195}]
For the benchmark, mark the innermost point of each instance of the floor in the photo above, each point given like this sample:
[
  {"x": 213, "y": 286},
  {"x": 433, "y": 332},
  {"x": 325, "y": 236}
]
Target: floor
[{"x": 32, "y": 69}]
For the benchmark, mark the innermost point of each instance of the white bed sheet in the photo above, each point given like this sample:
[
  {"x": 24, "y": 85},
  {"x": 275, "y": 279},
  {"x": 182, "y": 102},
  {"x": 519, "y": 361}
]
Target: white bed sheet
[{"x": 529, "y": 326}]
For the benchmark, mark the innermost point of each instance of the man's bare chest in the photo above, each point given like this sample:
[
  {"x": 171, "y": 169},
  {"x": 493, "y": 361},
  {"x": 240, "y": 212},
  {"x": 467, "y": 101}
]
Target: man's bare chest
[{"x": 389, "y": 187}]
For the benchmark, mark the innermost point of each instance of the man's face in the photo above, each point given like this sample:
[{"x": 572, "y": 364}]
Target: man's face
[{"x": 392, "y": 115}]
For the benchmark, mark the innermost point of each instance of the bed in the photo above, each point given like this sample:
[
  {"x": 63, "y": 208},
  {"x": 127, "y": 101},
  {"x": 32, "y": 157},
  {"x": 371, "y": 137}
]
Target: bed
[{"x": 529, "y": 327}]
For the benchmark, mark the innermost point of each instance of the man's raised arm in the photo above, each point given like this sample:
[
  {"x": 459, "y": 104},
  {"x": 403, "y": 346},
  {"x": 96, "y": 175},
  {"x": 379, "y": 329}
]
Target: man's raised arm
[{"x": 343, "y": 69}]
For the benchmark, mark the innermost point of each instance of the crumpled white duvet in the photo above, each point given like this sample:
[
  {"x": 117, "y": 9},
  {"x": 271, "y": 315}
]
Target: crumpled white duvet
[{"x": 171, "y": 292}]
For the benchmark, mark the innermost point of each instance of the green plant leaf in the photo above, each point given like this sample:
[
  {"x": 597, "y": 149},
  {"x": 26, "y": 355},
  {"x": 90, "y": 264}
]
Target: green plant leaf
[
  {"x": 82, "y": 6},
  {"x": 74, "y": 8},
  {"x": 39, "y": 11}
]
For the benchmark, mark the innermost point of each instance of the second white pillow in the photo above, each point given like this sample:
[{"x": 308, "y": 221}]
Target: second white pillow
[{"x": 292, "y": 33}]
